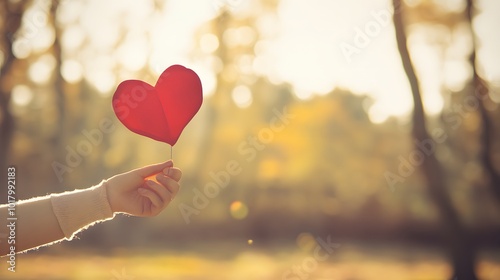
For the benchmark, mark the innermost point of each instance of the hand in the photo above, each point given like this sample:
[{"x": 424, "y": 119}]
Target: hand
[{"x": 136, "y": 194}]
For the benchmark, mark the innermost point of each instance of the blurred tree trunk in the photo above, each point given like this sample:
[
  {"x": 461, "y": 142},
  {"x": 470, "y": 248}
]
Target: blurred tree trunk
[
  {"x": 216, "y": 101},
  {"x": 12, "y": 15},
  {"x": 58, "y": 137},
  {"x": 480, "y": 90},
  {"x": 460, "y": 246}
]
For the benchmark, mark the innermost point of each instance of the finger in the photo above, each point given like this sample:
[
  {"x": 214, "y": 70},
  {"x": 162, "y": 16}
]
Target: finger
[
  {"x": 153, "y": 197},
  {"x": 161, "y": 191},
  {"x": 173, "y": 172},
  {"x": 168, "y": 183},
  {"x": 153, "y": 169}
]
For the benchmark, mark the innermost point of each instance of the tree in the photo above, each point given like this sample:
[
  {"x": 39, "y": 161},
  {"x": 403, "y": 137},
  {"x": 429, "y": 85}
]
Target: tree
[
  {"x": 12, "y": 13},
  {"x": 480, "y": 89},
  {"x": 460, "y": 246},
  {"x": 59, "y": 82}
]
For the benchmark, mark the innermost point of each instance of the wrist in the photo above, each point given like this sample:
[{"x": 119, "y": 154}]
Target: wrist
[{"x": 112, "y": 197}]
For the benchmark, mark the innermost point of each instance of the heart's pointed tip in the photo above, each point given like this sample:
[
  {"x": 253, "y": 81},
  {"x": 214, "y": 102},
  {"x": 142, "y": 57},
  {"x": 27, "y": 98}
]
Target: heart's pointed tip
[
  {"x": 159, "y": 112},
  {"x": 171, "y": 142}
]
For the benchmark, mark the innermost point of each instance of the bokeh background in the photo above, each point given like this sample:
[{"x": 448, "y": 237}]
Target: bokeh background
[{"x": 308, "y": 98}]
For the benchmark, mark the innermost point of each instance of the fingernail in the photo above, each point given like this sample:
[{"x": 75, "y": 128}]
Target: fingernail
[
  {"x": 170, "y": 163},
  {"x": 166, "y": 171},
  {"x": 149, "y": 183}
]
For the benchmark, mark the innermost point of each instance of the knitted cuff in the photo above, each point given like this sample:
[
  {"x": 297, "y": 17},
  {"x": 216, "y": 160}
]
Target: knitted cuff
[{"x": 77, "y": 210}]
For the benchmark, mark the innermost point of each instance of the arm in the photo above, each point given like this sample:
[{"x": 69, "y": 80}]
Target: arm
[
  {"x": 36, "y": 224},
  {"x": 45, "y": 220}
]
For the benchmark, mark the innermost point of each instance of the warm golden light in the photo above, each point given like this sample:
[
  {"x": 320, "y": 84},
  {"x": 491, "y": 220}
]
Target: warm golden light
[
  {"x": 41, "y": 71},
  {"x": 21, "y": 95},
  {"x": 238, "y": 210},
  {"x": 305, "y": 135},
  {"x": 72, "y": 71},
  {"x": 242, "y": 96}
]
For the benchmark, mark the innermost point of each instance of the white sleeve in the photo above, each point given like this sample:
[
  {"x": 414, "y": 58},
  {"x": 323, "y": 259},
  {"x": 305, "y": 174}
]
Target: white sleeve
[{"x": 77, "y": 210}]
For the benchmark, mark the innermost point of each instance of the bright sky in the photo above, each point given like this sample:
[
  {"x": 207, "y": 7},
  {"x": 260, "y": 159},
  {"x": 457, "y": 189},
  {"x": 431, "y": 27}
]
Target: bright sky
[
  {"x": 308, "y": 53},
  {"x": 314, "y": 45}
]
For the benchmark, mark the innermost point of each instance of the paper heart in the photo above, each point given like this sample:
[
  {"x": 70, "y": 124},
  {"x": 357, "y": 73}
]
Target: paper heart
[{"x": 163, "y": 111}]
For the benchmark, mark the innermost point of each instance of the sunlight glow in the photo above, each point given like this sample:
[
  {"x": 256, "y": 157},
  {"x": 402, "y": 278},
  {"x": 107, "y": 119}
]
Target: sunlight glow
[
  {"x": 427, "y": 62},
  {"x": 209, "y": 43},
  {"x": 104, "y": 81},
  {"x": 100, "y": 24},
  {"x": 41, "y": 70},
  {"x": 208, "y": 79},
  {"x": 377, "y": 114},
  {"x": 245, "y": 64},
  {"x": 303, "y": 94},
  {"x": 456, "y": 74},
  {"x": 35, "y": 31},
  {"x": 306, "y": 54},
  {"x": 456, "y": 6},
  {"x": 133, "y": 53},
  {"x": 298, "y": 44},
  {"x": 98, "y": 70},
  {"x": 242, "y": 96},
  {"x": 69, "y": 12},
  {"x": 234, "y": 37},
  {"x": 71, "y": 71},
  {"x": 238, "y": 210},
  {"x": 433, "y": 102},
  {"x": 44, "y": 39},
  {"x": 21, "y": 48},
  {"x": 72, "y": 37},
  {"x": 488, "y": 53},
  {"x": 21, "y": 95}
]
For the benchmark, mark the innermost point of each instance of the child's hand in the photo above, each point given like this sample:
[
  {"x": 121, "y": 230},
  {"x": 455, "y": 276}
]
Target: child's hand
[{"x": 133, "y": 194}]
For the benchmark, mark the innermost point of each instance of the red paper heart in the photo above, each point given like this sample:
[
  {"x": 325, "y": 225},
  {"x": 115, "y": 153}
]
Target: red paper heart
[{"x": 160, "y": 112}]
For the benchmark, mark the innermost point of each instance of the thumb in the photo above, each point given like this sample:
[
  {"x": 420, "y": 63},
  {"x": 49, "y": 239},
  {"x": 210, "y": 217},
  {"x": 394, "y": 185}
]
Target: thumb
[{"x": 153, "y": 169}]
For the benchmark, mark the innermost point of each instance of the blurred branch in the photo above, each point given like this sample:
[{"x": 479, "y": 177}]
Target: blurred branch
[
  {"x": 461, "y": 249},
  {"x": 487, "y": 129}
]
